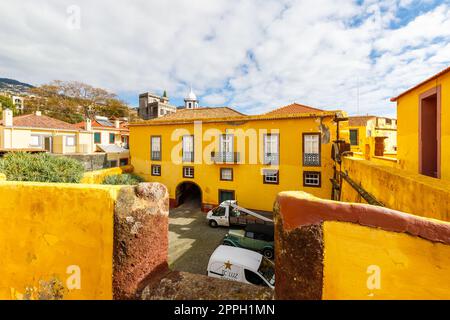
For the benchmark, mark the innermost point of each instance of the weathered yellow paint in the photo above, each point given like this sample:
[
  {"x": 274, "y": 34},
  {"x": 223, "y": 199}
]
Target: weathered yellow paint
[
  {"x": 247, "y": 182},
  {"x": 398, "y": 189},
  {"x": 97, "y": 176},
  {"x": 46, "y": 229},
  {"x": 409, "y": 267},
  {"x": 408, "y": 126}
]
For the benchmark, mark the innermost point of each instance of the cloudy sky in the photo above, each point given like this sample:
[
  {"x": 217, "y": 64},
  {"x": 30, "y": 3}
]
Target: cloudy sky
[{"x": 254, "y": 55}]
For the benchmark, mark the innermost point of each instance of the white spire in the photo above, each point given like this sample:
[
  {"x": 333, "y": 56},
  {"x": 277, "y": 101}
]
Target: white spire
[{"x": 191, "y": 102}]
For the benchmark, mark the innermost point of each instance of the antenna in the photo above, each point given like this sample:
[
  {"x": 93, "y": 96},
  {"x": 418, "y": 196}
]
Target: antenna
[{"x": 357, "y": 95}]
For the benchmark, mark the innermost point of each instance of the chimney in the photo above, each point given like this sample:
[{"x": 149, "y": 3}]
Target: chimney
[
  {"x": 117, "y": 123},
  {"x": 38, "y": 113},
  {"x": 7, "y": 118},
  {"x": 88, "y": 125}
]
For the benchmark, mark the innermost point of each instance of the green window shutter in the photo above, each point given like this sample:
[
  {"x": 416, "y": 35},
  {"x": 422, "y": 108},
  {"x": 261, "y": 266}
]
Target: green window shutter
[{"x": 97, "y": 137}]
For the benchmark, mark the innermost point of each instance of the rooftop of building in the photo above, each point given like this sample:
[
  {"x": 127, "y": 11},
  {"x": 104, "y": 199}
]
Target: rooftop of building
[
  {"x": 437, "y": 75},
  {"x": 294, "y": 108},
  {"x": 103, "y": 124},
  {"x": 224, "y": 114},
  {"x": 42, "y": 122}
]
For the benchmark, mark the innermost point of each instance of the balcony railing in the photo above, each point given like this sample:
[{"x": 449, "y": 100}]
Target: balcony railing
[
  {"x": 271, "y": 158},
  {"x": 188, "y": 156},
  {"x": 225, "y": 157},
  {"x": 311, "y": 159},
  {"x": 156, "y": 155}
]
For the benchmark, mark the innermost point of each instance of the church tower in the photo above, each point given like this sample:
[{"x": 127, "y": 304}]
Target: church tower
[{"x": 191, "y": 102}]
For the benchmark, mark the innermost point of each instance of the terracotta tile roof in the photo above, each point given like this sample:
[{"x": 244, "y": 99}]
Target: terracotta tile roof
[
  {"x": 82, "y": 125},
  {"x": 294, "y": 108},
  {"x": 211, "y": 116},
  {"x": 200, "y": 113},
  {"x": 359, "y": 121},
  {"x": 42, "y": 121},
  {"x": 437, "y": 75}
]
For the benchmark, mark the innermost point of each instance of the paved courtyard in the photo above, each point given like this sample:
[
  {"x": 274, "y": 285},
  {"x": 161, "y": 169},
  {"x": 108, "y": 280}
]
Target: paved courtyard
[{"x": 191, "y": 239}]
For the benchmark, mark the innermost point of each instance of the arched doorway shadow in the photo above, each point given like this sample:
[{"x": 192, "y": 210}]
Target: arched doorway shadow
[{"x": 189, "y": 194}]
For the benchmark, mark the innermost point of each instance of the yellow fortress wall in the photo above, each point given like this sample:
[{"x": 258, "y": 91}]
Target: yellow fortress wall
[
  {"x": 406, "y": 267},
  {"x": 397, "y": 189},
  {"x": 97, "y": 176},
  {"x": 56, "y": 236}
]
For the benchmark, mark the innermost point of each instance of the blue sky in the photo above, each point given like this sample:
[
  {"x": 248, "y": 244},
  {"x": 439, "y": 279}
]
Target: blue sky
[{"x": 253, "y": 55}]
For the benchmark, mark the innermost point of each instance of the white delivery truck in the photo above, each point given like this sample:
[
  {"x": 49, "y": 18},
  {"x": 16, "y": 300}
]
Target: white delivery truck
[
  {"x": 242, "y": 265},
  {"x": 229, "y": 213}
]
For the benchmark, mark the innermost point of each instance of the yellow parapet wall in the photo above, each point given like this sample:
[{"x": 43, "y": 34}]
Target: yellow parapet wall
[
  {"x": 97, "y": 177},
  {"x": 397, "y": 189},
  {"x": 56, "y": 240},
  {"x": 368, "y": 263},
  {"x": 326, "y": 249}
]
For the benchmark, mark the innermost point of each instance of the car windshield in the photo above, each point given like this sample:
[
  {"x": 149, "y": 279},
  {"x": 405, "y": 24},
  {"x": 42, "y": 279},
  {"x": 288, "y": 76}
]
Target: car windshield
[
  {"x": 267, "y": 270},
  {"x": 218, "y": 211}
]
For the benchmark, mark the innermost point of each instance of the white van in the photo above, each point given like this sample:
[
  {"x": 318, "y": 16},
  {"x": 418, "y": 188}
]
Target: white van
[{"x": 237, "y": 264}]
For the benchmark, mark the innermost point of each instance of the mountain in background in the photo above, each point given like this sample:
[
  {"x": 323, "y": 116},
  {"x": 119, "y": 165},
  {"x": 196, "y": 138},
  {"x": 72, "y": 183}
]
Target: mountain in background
[{"x": 14, "y": 86}]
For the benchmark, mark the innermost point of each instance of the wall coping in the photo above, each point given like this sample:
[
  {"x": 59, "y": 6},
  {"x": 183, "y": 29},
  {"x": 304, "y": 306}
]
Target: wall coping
[
  {"x": 299, "y": 209},
  {"x": 414, "y": 177}
]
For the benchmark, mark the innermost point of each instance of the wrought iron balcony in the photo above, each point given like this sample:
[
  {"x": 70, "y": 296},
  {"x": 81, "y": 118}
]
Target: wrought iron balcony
[
  {"x": 156, "y": 155},
  {"x": 271, "y": 158},
  {"x": 225, "y": 157},
  {"x": 311, "y": 159},
  {"x": 188, "y": 156}
]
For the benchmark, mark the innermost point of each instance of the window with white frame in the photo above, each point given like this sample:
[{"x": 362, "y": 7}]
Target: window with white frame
[
  {"x": 188, "y": 148},
  {"x": 311, "y": 149},
  {"x": 311, "y": 179},
  {"x": 271, "y": 147},
  {"x": 270, "y": 176},
  {"x": 155, "y": 148},
  {"x": 226, "y": 148},
  {"x": 70, "y": 141},
  {"x": 226, "y": 174},
  {"x": 35, "y": 141},
  {"x": 188, "y": 172},
  {"x": 156, "y": 170}
]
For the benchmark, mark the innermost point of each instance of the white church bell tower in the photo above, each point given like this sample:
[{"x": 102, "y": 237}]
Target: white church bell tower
[{"x": 191, "y": 102}]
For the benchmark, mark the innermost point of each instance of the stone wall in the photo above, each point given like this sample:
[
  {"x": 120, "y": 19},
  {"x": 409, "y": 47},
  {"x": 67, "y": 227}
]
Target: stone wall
[{"x": 91, "y": 162}]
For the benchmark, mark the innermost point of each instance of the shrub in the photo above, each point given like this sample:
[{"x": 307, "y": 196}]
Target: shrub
[
  {"x": 125, "y": 178},
  {"x": 21, "y": 166}
]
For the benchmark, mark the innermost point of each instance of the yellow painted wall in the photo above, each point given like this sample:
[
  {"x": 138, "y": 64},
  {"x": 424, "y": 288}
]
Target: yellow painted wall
[
  {"x": 409, "y": 267},
  {"x": 46, "y": 229},
  {"x": 398, "y": 189},
  {"x": 248, "y": 181},
  {"x": 408, "y": 126},
  {"x": 97, "y": 176}
]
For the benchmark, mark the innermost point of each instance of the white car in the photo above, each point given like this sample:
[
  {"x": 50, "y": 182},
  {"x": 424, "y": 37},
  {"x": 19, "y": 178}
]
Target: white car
[{"x": 241, "y": 265}]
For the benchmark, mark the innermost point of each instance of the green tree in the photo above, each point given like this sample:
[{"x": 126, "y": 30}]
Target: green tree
[
  {"x": 22, "y": 166},
  {"x": 73, "y": 101},
  {"x": 6, "y": 103}
]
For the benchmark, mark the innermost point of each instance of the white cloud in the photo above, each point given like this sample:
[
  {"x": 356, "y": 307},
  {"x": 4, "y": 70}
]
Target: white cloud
[{"x": 255, "y": 54}]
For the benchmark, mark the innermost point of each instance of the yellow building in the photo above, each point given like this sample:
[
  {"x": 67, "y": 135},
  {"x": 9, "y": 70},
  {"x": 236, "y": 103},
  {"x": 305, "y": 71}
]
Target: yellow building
[
  {"x": 424, "y": 127},
  {"x": 363, "y": 131},
  {"x": 218, "y": 154}
]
